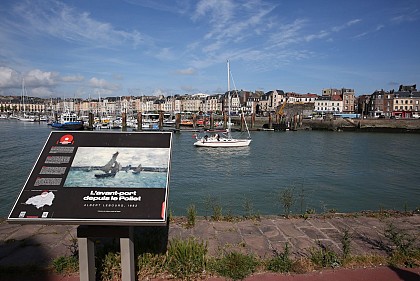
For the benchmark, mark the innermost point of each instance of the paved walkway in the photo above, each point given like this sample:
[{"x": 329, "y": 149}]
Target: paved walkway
[{"x": 38, "y": 245}]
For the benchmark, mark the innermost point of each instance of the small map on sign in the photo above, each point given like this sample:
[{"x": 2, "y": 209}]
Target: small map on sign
[{"x": 39, "y": 201}]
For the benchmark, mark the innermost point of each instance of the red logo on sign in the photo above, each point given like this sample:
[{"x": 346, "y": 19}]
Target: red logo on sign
[{"x": 66, "y": 139}]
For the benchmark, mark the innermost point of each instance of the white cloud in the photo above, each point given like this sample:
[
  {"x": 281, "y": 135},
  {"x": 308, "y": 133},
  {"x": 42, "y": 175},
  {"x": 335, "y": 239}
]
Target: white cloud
[
  {"x": 41, "y": 92},
  {"x": 165, "y": 54},
  {"x": 287, "y": 34},
  {"x": 61, "y": 21},
  {"x": 39, "y": 78},
  {"x": 103, "y": 84},
  {"x": 9, "y": 78},
  {"x": 188, "y": 71},
  {"x": 72, "y": 78},
  {"x": 347, "y": 24},
  {"x": 320, "y": 35}
]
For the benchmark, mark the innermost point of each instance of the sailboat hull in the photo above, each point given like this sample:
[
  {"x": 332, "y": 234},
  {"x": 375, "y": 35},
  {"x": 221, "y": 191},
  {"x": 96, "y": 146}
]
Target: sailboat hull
[{"x": 223, "y": 143}]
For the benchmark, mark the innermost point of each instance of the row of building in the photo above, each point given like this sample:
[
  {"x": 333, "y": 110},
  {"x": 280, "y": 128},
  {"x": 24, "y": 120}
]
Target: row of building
[{"x": 403, "y": 103}]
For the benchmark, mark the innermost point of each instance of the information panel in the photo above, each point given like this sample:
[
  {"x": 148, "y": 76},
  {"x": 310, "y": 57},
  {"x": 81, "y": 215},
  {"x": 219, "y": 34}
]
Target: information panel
[{"x": 98, "y": 178}]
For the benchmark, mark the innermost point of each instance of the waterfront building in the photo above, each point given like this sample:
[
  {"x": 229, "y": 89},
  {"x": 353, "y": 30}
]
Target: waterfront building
[
  {"x": 329, "y": 105},
  {"x": 406, "y": 103},
  {"x": 376, "y": 103},
  {"x": 213, "y": 103},
  {"x": 331, "y": 92},
  {"x": 348, "y": 100},
  {"x": 363, "y": 105}
]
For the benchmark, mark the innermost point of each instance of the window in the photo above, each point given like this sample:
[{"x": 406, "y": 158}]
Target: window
[{"x": 396, "y": 101}]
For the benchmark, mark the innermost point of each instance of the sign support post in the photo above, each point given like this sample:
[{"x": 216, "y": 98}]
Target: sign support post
[
  {"x": 86, "y": 235},
  {"x": 86, "y": 259},
  {"x": 127, "y": 256}
]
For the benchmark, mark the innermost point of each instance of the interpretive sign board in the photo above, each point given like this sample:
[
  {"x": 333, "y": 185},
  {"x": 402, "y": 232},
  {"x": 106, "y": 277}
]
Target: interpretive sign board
[{"x": 98, "y": 178}]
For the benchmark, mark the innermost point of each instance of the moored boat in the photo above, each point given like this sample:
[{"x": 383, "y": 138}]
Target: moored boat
[{"x": 68, "y": 121}]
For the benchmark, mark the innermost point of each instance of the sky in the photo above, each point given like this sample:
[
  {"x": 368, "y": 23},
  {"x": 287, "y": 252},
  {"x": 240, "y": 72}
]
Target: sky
[{"x": 95, "y": 48}]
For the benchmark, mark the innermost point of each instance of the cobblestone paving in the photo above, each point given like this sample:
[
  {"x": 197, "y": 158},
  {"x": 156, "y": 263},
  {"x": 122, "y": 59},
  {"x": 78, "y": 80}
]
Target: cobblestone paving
[{"x": 38, "y": 244}]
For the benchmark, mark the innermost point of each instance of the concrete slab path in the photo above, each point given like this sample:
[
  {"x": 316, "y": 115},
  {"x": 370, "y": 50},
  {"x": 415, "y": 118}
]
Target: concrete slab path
[{"x": 38, "y": 245}]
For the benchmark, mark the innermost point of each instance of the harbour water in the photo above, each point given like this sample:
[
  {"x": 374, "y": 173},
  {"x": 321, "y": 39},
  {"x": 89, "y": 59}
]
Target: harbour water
[{"x": 341, "y": 171}]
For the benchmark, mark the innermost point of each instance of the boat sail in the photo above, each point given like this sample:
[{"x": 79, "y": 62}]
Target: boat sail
[{"x": 225, "y": 139}]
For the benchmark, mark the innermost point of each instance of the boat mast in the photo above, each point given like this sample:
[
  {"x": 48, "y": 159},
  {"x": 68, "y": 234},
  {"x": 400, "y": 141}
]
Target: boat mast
[
  {"x": 228, "y": 88},
  {"x": 23, "y": 96}
]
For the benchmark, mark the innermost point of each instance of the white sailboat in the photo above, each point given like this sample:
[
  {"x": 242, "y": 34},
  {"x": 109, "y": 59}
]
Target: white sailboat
[{"x": 224, "y": 139}]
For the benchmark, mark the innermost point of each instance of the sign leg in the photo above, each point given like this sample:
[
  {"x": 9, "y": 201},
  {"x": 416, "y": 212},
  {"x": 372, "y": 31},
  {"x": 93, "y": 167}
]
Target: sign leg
[
  {"x": 127, "y": 256},
  {"x": 86, "y": 259}
]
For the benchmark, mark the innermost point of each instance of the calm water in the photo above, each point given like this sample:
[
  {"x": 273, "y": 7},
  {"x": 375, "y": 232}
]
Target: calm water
[{"x": 327, "y": 170}]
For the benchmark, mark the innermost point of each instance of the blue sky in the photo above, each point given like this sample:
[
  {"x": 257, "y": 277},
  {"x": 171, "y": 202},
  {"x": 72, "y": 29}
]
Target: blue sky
[{"x": 113, "y": 48}]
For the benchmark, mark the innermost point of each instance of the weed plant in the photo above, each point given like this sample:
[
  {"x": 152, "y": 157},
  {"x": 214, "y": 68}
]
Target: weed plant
[
  {"x": 281, "y": 262},
  {"x": 345, "y": 245},
  {"x": 191, "y": 215},
  {"x": 217, "y": 212},
  {"x": 249, "y": 212},
  {"x": 66, "y": 264},
  {"x": 403, "y": 250},
  {"x": 287, "y": 199},
  {"x": 323, "y": 257},
  {"x": 211, "y": 203},
  {"x": 150, "y": 265},
  {"x": 234, "y": 265},
  {"x": 186, "y": 258},
  {"x": 111, "y": 267}
]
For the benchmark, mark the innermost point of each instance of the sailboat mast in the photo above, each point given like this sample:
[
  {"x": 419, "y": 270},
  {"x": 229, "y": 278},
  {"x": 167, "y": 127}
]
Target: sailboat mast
[
  {"x": 228, "y": 88},
  {"x": 23, "y": 95}
]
